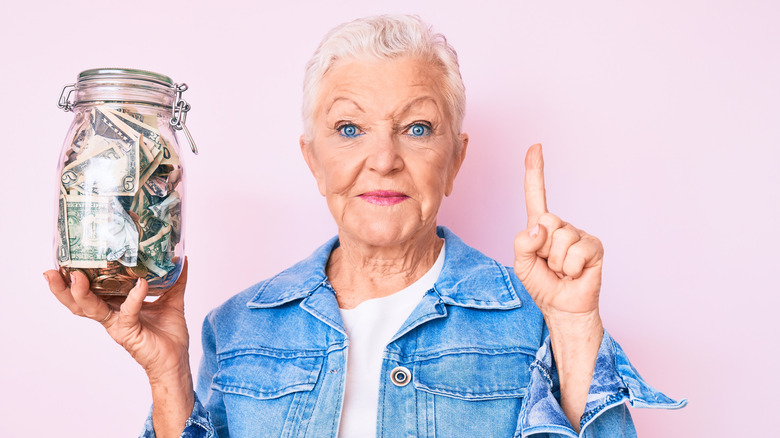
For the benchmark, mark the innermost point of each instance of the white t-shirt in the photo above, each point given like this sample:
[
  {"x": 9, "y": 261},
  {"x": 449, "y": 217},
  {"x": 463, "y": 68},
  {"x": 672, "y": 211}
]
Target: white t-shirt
[{"x": 370, "y": 326}]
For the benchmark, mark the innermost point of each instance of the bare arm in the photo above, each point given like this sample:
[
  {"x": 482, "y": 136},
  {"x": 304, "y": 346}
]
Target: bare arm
[
  {"x": 575, "y": 342},
  {"x": 560, "y": 266}
]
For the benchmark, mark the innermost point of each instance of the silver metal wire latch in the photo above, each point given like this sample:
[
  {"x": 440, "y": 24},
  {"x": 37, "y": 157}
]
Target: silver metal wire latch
[
  {"x": 64, "y": 103},
  {"x": 180, "y": 108}
]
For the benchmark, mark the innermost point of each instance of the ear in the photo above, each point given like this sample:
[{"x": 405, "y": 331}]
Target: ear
[
  {"x": 307, "y": 149},
  {"x": 460, "y": 155}
]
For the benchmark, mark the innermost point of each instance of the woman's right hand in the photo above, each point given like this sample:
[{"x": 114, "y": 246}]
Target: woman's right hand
[{"x": 154, "y": 333}]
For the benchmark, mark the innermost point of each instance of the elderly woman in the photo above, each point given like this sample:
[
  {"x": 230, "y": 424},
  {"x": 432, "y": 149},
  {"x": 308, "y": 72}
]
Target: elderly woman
[{"x": 395, "y": 327}]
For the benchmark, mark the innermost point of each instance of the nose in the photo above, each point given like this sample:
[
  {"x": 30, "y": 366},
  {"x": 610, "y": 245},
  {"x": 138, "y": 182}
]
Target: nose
[{"x": 384, "y": 157}]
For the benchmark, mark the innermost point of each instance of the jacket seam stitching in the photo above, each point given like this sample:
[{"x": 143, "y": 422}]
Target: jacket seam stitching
[
  {"x": 543, "y": 369},
  {"x": 622, "y": 393},
  {"x": 494, "y": 394},
  {"x": 267, "y": 352},
  {"x": 453, "y": 351}
]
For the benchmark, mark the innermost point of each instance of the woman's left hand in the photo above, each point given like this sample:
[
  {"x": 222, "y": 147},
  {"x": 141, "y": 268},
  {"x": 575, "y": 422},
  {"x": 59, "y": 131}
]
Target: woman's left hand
[{"x": 559, "y": 265}]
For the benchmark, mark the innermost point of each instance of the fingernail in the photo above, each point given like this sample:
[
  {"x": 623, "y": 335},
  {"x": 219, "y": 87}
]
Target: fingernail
[
  {"x": 45, "y": 278},
  {"x": 534, "y": 231},
  {"x": 72, "y": 279}
]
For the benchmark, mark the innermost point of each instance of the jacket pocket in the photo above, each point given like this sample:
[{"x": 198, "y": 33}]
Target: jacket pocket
[
  {"x": 266, "y": 375},
  {"x": 474, "y": 376},
  {"x": 471, "y": 394}
]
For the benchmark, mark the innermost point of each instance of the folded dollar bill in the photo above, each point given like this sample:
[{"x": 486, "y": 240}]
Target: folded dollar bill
[{"x": 119, "y": 210}]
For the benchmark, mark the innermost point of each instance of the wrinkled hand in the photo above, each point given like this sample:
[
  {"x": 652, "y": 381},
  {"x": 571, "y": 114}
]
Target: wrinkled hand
[
  {"x": 154, "y": 333},
  {"x": 559, "y": 265}
]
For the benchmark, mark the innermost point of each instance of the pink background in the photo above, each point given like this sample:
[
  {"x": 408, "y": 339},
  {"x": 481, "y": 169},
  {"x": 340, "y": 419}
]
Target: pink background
[{"x": 661, "y": 134}]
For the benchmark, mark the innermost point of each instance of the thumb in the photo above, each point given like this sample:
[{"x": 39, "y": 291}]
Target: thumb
[{"x": 527, "y": 243}]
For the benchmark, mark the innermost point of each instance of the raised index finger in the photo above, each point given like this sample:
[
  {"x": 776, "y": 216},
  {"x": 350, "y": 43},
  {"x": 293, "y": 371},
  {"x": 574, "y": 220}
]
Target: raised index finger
[{"x": 535, "y": 197}]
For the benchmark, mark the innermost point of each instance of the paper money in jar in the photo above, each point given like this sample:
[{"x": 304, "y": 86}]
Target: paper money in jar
[{"x": 121, "y": 181}]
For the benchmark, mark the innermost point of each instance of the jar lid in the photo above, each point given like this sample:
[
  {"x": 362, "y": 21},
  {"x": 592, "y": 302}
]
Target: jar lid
[
  {"x": 125, "y": 73},
  {"x": 129, "y": 86}
]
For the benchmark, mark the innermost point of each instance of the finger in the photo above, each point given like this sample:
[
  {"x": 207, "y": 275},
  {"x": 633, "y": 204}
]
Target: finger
[
  {"x": 551, "y": 222},
  {"x": 61, "y": 291},
  {"x": 561, "y": 240},
  {"x": 535, "y": 197},
  {"x": 586, "y": 253},
  {"x": 130, "y": 310},
  {"x": 527, "y": 244},
  {"x": 92, "y": 306}
]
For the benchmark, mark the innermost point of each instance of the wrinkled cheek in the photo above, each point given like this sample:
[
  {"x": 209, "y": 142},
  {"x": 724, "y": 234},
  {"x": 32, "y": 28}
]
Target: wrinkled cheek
[
  {"x": 337, "y": 185},
  {"x": 340, "y": 180},
  {"x": 430, "y": 207},
  {"x": 339, "y": 208}
]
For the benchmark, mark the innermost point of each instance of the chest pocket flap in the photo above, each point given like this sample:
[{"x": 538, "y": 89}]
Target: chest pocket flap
[
  {"x": 264, "y": 375},
  {"x": 474, "y": 376}
]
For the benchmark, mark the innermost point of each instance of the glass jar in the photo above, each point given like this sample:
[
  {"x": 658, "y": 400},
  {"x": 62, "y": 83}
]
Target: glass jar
[{"x": 121, "y": 181}]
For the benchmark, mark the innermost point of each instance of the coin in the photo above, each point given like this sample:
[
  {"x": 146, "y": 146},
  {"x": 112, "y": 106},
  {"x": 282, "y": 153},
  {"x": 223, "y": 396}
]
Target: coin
[{"x": 138, "y": 271}]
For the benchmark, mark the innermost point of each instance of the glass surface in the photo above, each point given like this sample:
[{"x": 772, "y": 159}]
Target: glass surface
[{"x": 120, "y": 196}]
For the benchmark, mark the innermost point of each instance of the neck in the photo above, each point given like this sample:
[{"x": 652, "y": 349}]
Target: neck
[{"x": 359, "y": 271}]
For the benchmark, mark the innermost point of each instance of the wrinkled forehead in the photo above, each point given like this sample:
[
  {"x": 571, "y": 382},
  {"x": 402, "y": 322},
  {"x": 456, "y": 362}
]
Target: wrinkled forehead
[{"x": 394, "y": 84}]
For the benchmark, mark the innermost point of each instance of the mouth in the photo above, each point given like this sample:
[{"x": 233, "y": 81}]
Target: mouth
[{"x": 384, "y": 197}]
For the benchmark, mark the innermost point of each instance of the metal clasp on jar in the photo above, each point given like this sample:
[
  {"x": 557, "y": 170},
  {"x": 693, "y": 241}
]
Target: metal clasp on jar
[
  {"x": 180, "y": 108},
  {"x": 64, "y": 103}
]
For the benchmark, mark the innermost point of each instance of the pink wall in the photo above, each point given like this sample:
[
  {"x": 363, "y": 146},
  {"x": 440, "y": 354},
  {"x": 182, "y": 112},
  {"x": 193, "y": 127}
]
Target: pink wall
[{"x": 661, "y": 133}]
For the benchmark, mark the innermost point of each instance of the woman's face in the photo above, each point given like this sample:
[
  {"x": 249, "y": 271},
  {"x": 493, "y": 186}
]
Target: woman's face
[{"x": 383, "y": 151}]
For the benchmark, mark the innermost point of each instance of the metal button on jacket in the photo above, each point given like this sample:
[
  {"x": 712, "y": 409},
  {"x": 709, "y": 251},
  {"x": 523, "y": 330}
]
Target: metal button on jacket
[{"x": 400, "y": 376}]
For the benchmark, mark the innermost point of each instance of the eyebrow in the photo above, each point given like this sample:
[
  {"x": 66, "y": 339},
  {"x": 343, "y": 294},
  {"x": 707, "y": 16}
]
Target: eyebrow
[
  {"x": 343, "y": 98},
  {"x": 403, "y": 110},
  {"x": 416, "y": 100}
]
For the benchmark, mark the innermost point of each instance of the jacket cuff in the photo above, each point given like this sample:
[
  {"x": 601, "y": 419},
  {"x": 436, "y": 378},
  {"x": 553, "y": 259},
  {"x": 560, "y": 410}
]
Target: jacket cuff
[
  {"x": 614, "y": 381},
  {"x": 197, "y": 426}
]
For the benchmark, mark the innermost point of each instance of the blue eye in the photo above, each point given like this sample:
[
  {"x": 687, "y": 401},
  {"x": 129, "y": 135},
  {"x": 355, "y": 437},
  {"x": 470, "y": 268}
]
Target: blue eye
[
  {"x": 419, "y": 130},
  {"x": 349, "y": 130}
]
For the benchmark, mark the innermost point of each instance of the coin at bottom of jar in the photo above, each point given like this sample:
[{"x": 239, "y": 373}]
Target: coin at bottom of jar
[
  {"x": 138, "y": 271},
  {"x": 65, "y": 273},
  {"x": 112, "y": 284},
  {"x": 116, "y": 279}
]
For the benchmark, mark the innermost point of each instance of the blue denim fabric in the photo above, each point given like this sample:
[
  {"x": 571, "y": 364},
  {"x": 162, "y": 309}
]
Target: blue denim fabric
[{"x": 275, "y": 355}]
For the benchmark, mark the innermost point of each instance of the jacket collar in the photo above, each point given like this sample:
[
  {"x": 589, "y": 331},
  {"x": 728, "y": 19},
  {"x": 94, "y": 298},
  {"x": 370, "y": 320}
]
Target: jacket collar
[{"x": 468, "y": 278}]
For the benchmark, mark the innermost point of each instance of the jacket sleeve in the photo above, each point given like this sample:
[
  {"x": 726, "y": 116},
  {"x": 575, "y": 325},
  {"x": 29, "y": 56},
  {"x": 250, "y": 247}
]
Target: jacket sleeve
[
  {"x": 197, "y": 426},
  {"x": 208, "y": 403},
  {"x": 615, "y": 381}
]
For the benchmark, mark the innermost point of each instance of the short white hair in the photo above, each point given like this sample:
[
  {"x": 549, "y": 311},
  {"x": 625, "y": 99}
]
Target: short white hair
[{"x": 385, "y": 37}]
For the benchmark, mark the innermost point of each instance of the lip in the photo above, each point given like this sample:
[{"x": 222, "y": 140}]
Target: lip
[{"x": 384, "y": 197}]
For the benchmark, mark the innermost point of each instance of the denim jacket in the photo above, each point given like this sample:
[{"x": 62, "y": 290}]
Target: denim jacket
[{"x": 473, "y": 359}]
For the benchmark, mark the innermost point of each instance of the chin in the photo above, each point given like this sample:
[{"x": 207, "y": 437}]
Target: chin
[{"x": 384, "y": 233}]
